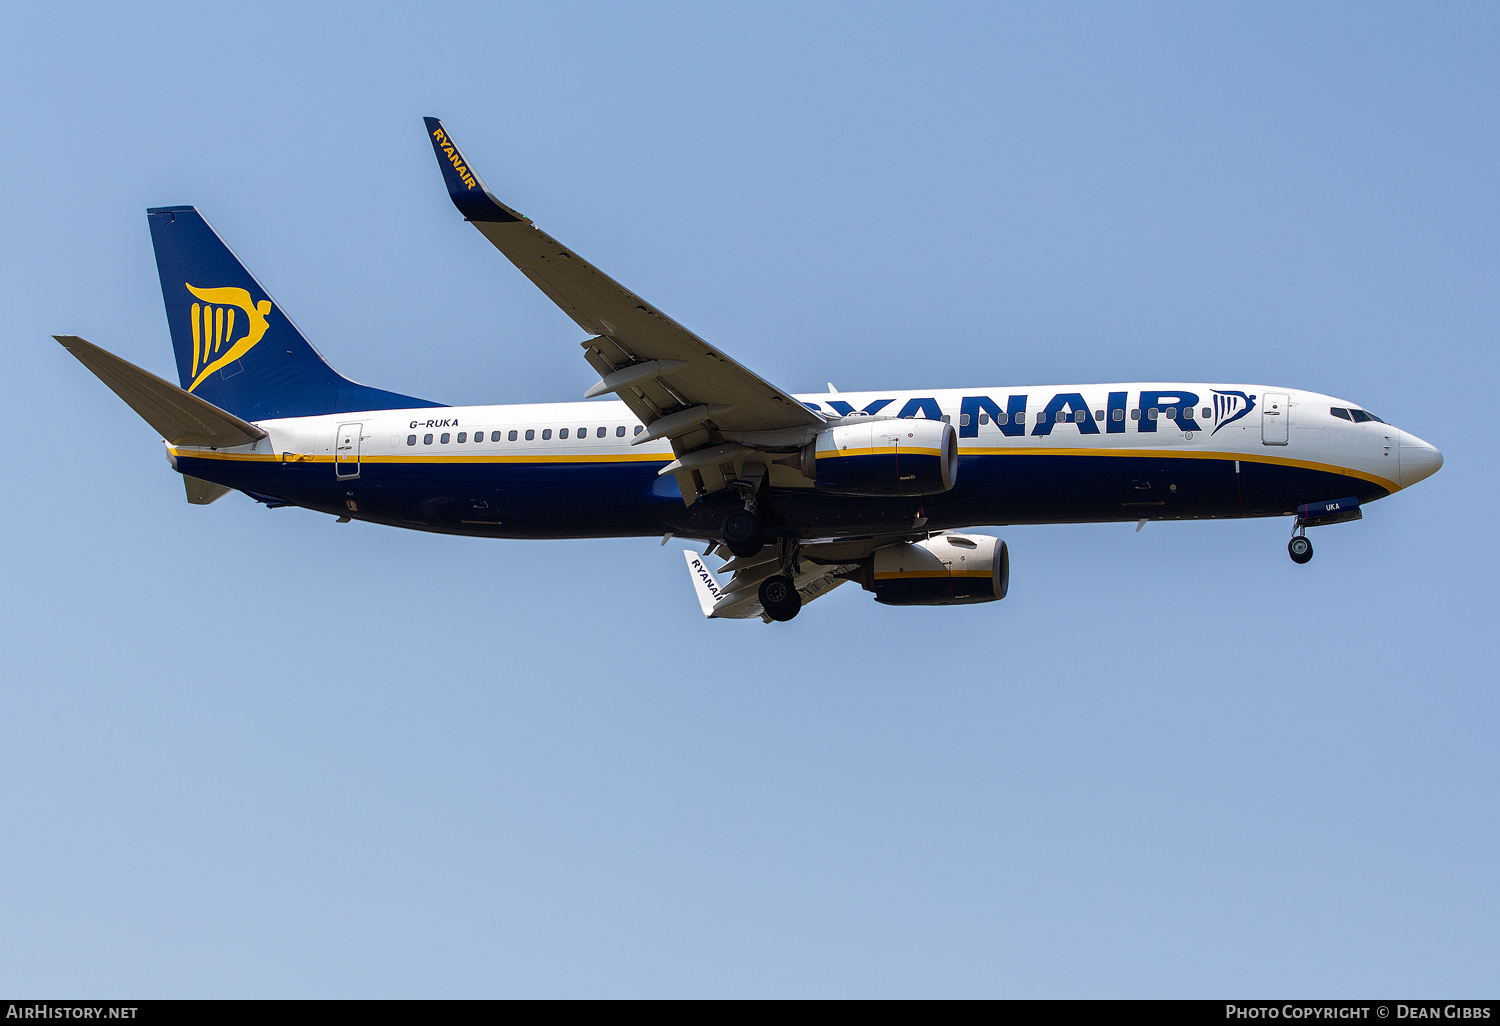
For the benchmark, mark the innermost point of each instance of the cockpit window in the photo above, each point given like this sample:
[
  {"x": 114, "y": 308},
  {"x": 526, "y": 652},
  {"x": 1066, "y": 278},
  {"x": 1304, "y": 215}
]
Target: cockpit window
[
  {"x": 1360, "y": 416},
  {"x": 1372, "y": 416},
  {"x": 1340, "y": 413}
]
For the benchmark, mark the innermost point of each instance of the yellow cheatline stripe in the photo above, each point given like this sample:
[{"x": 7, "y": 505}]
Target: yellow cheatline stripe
[
  {"x": 417, "y": 458},
  {"x": 1178, "y": 454},
  {"x": 886, "y": 451}
]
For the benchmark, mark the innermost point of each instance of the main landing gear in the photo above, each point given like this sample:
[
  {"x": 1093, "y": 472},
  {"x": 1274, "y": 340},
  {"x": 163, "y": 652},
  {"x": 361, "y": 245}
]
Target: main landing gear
[
  {"x": 1299, "y": 548},
  {"x": 742, "y": 532},
  {"x": 779, "y": 597},
  {"x": 744, "y": 536}
]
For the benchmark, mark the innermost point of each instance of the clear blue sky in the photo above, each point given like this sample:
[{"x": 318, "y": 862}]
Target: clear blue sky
[{"x": 250, "y": 752}]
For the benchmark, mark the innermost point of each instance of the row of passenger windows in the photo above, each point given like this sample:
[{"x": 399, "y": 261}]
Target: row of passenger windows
[
  {"x": 1358, "y": 416},
  {"x": 463, "y": 436},
  {"x": 1062, "y": 416},
  {"x": 1079, "y": 416}
]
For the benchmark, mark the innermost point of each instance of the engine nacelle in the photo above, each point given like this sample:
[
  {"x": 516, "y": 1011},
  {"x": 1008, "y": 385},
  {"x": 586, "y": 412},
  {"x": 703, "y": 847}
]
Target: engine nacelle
[
  {"x": 947, "y": 570},
  {"x": 884, "y": 457}
]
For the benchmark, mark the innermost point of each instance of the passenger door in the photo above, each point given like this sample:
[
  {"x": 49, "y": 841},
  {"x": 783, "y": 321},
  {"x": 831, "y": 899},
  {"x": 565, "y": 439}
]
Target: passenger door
[
  {"x": 346, "y": 452},
  {"x": 1273, "y": 419}
]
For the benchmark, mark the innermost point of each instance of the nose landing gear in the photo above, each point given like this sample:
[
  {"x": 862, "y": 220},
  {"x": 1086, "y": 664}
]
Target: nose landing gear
[{"x": 1319, "y": 514}]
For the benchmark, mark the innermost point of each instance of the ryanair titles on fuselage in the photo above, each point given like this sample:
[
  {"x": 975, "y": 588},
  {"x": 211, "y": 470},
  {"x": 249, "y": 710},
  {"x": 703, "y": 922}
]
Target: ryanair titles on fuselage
[{"x": 1014, "y": 418}]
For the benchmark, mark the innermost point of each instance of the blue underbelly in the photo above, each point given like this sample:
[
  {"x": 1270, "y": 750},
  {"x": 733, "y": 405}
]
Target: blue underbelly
[{"x": 574, "y": 500}]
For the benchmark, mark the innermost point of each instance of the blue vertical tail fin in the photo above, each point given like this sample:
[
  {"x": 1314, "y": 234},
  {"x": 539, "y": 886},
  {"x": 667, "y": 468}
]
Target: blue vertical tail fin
[{"x": 234, "y": 346}]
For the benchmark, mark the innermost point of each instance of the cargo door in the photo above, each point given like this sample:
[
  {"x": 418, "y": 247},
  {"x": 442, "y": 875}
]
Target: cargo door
[
  {"x": 1273, "y": 419},
  {"x": 346, "y": 452}
]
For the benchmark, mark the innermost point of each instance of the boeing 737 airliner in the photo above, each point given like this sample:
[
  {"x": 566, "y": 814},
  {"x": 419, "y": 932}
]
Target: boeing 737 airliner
[{"x": 799, "y": 493}]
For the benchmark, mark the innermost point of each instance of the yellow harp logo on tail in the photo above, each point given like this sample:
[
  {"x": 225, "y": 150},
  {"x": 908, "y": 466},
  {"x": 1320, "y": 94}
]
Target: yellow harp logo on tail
[{"x": 214, "y": 321}]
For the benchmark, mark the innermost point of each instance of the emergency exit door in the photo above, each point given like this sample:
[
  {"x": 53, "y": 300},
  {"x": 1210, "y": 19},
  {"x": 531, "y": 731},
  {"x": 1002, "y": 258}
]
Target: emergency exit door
[
  {"x": 1273, "y": 419},
  {"x": 346, "y": 452}
]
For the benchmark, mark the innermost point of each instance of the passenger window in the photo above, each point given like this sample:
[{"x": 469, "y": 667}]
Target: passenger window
[
  {"x": 562, "y": 433},
  {"x": 1171, "y": 413},
  {"x": 1098, "y": 414},
  {"x": 620, "y": 431},
  {"x": 583, "y": 432},
  {"x": 1061, "y": 416},
  {"x": 411, "y": 439},
  {"x": 1207, "y": 413},
  {"x": 1117, "y": 415},
  {"x": 546, "y": 434},
  {"x": 601, "y": 432},
  {"x": 1078, "y": 416},
  {"x": 639, "y": 428},
  {"x": 1020, "y": 417},
  {"x": 984, "y": 418},
  {"x": 963, "y": 420},
  {"x": 463, "y": 436},
  {"x": 426, "y": 439},
  {"x": 1135, "y": 414},
  {"x": 1360, "y": 416},
  {"x": 1153, "y": 413},
  {"x": 510, "y": 437},
  {"x": 530, "y": 434},
  {"x": 444, "y": 438},
  {"x": 1342, "y": 414}
]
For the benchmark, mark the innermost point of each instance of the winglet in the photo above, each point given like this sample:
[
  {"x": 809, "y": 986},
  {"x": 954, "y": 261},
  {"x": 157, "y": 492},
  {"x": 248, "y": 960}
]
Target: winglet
[
  {"x": 465, "y": 188},
  {"x": 704, "y": 582}
]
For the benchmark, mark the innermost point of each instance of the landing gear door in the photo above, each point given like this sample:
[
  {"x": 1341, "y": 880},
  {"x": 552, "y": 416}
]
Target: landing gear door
[
  {"x": 1273, "y": 418},
  {"x": 346, "y": 452}
]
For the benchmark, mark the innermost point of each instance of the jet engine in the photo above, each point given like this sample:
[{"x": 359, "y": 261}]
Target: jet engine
[
  {"x": 945, "y": 570},
  {"x": 883, "y": 457}
]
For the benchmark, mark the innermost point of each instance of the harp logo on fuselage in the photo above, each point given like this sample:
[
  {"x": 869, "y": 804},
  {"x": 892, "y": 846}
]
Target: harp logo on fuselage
[{"x": 215, "y": 320}]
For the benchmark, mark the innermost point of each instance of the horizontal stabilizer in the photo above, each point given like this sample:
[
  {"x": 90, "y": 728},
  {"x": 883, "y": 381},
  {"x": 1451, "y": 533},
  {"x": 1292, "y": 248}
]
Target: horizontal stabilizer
[
  {"x": 179, "y": 417},
  {"x": 201, "y": 492}
]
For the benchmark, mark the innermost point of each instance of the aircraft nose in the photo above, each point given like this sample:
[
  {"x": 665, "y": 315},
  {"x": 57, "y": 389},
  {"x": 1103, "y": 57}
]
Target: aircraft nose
[{"x": 1418, "y": 460}]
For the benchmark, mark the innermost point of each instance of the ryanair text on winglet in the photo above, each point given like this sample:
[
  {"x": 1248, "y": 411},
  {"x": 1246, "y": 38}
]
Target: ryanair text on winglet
[{"x": 454, "y": 158}]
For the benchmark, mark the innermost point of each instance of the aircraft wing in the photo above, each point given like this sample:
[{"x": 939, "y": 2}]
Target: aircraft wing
[
  {"x": 681, "y": 387},
  {"x": 740, "y": 598}
]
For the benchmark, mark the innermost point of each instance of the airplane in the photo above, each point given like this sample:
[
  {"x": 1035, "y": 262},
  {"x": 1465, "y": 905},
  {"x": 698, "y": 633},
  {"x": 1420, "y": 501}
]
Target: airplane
[{"x": 798, "y": 494}]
